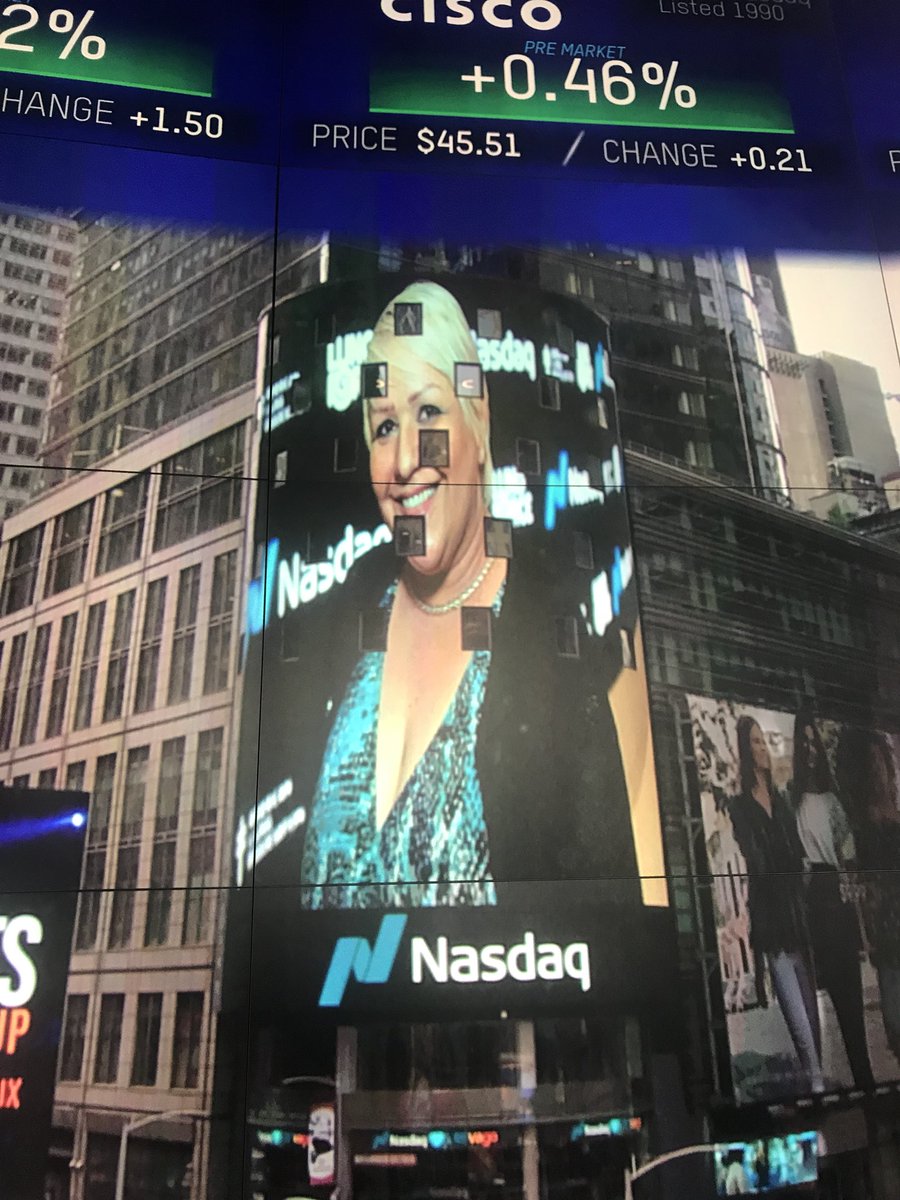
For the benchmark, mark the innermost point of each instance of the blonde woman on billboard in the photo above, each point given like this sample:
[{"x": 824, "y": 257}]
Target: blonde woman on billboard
[
  {"x": 766, "y": 830},
  {"x": 426, "y": 794}
]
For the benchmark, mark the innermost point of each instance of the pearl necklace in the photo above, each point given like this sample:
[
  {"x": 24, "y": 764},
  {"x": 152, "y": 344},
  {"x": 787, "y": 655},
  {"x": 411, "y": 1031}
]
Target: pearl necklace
[{"x": 435, "y": 610}]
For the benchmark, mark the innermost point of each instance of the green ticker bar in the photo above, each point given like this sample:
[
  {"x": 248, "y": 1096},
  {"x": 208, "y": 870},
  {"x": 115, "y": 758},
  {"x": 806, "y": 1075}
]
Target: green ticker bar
[
  {"x": 433, "y": 93},
  {"x": 157, "y": 68}
]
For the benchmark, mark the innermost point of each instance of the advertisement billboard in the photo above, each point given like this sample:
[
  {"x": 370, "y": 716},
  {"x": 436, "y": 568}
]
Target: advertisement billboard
[
  {"x": 41, "y": 839},
  {"x": 767, "y": 1165},
  {"x": 442, "y": 625},
  {"x": 802, "y": 829}
]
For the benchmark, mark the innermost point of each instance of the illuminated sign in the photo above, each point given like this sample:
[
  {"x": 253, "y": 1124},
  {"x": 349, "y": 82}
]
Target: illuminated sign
[
  {"x": 354, "y": 956},
  {"x": 296, "y": 582},
  {"x": 767, "y": 1165},
  {"x": 510, "y": 354},
  {"x": 538, "y": 447},
  {"x": 614, "y": 1127},
  {"x": 41, "y": 839},
  {"x": 502, "y": 14},
  {"x": 260, "y": 831},
  {"x": 443, "y": 962},
  {"x": 385, "y": 1160},
  {"x": 436, "y": 1139},
  {"x": 523, "y": 962},
  {"x": 320, "y": 1145},
  {"x": 66, "y": 44}
]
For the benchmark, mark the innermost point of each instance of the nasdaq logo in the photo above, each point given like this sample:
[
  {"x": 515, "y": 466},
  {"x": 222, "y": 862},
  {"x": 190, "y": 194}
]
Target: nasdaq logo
[{"x": 354, "y": 956}]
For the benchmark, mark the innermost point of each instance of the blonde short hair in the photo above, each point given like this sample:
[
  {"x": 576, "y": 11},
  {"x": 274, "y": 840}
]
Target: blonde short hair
[{"x": 445, "y": 340}]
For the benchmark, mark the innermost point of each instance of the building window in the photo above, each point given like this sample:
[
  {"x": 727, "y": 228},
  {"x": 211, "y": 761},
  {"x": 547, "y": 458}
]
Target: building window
[
  {"x": 135, "y": 793},
  {"x": 59, "y": 689},
  {"x": 47, "y": 778},
  {"x": 221, "y": 616},
  {"x": 186, "y": 1042},
  {"x": 68, "y": 552},
  {"x": 75, "y": 776},
  {"x": 35, "y": 688},
  {"x": 185, "y": 630},
  {"x": 169, "y": 795},
  {"x": 200, "y": 892},
  {"x": 117, "y": 672},
  {"x": 201, "y": 854},
  {"x": 159, "y": 898},
  {"x": 122, "y": 915},
  {"x": 200, "y": 488},
  {"x": 208, "y": 778},
  {"x": 146, "y": 1040},
  {"x": 151, "y": 641},
  {"x": 162, "y": 867},
  {"x": 71, "y": 1058},
  {"x": 128, "y": 860},
  {"x": 94, "y": 871},
  {"x": 109, "y": 1038},
  {"x": 124, "y": 511},
  {"x": 21, "y": 570},
  {"x": 90, "y": 663},
  {"x": 11, "y": 691}
]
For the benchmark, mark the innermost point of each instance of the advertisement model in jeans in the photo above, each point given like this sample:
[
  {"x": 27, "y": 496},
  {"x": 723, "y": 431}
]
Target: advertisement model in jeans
[
  {"x": 828, "y": 847},
  {"x": 766, "y": 831},
  {"x": 868, "y": 779}
]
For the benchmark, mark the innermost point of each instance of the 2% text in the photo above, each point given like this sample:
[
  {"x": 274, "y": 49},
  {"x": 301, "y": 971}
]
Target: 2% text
[{"x": 62, "y": 21}]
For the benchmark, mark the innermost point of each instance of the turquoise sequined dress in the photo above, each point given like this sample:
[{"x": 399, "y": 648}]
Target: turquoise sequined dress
[{"x": 433, "y": 847}]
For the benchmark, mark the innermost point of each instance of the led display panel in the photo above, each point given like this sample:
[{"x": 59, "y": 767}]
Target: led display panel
[
  {"x": 444, "y": 601},
  {"x": 41, "y": 840},
  {"x": 768, "y": 1165}
]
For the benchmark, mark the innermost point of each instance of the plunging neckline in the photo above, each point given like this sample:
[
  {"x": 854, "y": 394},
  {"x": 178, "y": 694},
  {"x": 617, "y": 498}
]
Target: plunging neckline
[
  {"x": 401, "y": 792},
  {"x": 432, "y": 847}
]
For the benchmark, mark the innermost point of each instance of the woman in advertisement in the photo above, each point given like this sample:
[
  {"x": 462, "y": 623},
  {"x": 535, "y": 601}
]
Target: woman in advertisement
[
  {"x": 766, "y": 831},
  {"x": 868, "y": 778},
  {"x": 442, "y": 775},
  {"x": 828, "y": 848}
]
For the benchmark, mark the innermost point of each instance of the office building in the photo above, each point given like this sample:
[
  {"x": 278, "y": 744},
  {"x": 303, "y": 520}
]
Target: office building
[
  {"x": 835, "y": 431},
  {"x": 777, "y": 611},
  {"x": 771, "y": 302},
  {"x": 687, "y": 352},
  {"x": 864, "y": 412},
  {"x": 37, "y": 252},
  {"x": 119, "y": 619}
]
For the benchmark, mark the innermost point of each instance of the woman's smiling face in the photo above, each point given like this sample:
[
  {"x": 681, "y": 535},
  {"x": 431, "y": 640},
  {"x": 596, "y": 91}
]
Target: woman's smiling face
[{"x": 451, "y": 498}]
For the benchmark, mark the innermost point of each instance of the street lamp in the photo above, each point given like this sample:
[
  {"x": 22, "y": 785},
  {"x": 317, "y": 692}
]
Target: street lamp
[
  {"x": 631, "y": 1176},
  {"x": 139, "y": 1123}
]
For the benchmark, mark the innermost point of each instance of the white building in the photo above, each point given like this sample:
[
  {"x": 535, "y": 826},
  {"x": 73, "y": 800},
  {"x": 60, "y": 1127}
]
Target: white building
[{"x": 834, "y": 428}]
